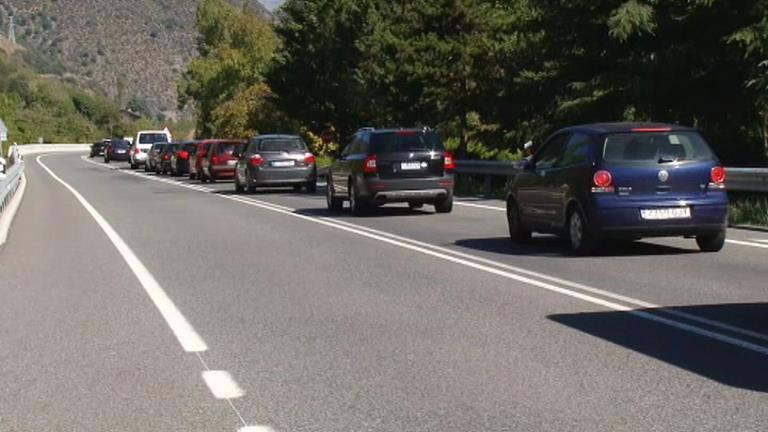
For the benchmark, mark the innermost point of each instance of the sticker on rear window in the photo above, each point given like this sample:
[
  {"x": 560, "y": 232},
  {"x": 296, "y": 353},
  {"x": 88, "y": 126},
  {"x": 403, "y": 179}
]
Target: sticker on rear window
[{"x": 674, "y": 139}]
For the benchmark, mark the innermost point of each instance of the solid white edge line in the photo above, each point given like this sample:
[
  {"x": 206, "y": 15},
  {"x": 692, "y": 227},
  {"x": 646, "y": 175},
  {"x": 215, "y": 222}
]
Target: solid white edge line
[
  {"x": 181, "y": 328},
  {"x": 222, "y": 385},
  {"x": 447, "y": 255},
  {"x": 481, "y": 206},
  {"x": 256, "y": 429},
  {"x": 745, "y": 243}
]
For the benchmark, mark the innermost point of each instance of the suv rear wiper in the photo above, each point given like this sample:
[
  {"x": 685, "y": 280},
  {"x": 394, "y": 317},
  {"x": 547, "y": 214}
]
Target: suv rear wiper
[{"x": 666, "y": 160}]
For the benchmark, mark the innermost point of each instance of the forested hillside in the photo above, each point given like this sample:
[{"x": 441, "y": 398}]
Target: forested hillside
[
  {"x": 488, "y": 75},
  {"x": 135, "y": 50},
  {"x": 49, "y": 107}
]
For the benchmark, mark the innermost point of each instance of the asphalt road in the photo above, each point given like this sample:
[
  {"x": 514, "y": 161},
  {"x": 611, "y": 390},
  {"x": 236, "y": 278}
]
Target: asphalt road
[{"x": 224, "y": 312}]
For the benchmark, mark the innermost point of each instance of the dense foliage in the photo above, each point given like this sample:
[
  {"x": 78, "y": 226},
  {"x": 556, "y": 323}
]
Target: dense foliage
[{"x": 489, "y": 75}]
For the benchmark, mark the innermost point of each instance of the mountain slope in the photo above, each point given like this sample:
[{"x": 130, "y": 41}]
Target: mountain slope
[{"x": 130, "y": 48}]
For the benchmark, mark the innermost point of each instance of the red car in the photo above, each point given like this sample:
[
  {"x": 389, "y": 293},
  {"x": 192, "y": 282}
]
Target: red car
[
  {"x": 196, "y": 160},
  {"x": 218, "y": 161}
]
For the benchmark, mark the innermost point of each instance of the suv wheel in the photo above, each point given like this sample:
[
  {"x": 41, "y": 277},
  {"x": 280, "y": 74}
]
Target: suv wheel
[
  {"x": 711, "y": 242},
  {"x": 134, "y": 166},
  {"x": 445, "y": 205},
  {"x": 249, "y": 183},
  {"x": 334, "y": 204},
  {"x": 239, "y": 188},
  {"x": 357, "y": 204},
  {"x": 517, "y": 232},
  {"x": 582, "y": 241}
]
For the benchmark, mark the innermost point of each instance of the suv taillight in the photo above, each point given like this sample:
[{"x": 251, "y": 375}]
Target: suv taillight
[
  {"x": 717, "y": 177},
  {"x": 214, "y": 160},
  {"x": 136, "y": 151},
  {"x": 602, "y": 182},
  {"x": 166, "y": 157},
  {"x": 309, "y": 159},
  {"x": 369, "y": 165},
  {"x": 450, "y": 164},
  {"x": 183, "y": 155},
  {"x": 256, "y": 160}
]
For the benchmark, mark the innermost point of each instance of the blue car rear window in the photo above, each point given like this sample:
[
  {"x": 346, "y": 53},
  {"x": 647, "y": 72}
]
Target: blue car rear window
[{"x": 656, "y": 147}]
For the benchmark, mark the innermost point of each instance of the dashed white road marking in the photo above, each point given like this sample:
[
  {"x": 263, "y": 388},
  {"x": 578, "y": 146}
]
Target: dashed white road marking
[{"x": 222, "y": 385}]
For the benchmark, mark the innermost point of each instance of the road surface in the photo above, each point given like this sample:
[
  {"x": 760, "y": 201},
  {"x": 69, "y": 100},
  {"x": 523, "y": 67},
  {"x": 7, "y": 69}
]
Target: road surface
[{"x": 131, "y": 302}]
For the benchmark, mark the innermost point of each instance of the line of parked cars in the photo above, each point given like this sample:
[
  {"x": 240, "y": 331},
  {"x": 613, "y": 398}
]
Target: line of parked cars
[{"x": 585, "y": 183}]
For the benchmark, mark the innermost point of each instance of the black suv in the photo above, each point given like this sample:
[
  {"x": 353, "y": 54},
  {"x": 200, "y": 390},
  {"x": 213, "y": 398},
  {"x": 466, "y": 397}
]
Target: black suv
[{"x": 392, "y": 165}]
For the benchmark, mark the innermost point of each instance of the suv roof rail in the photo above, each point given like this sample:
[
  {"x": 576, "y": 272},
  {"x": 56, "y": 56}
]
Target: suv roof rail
[{"x": 367, "y": 129}]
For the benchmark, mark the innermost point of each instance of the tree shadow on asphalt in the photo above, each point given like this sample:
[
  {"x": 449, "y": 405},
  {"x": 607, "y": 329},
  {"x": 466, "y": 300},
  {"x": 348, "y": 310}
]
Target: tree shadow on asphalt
[
  {"x": 722, "y": 362},
  {"x": 557, "y": 247}
]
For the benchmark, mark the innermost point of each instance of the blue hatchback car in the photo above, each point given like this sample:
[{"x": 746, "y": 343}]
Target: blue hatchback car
[{"x": 621, "y": 180}]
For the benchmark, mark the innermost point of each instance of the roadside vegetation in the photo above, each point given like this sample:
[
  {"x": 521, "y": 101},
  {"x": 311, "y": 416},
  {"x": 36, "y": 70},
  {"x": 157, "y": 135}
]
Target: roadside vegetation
[
  {"x": 50, "y": 108},
  {"x": 749, "y": 209},
  {"x": 488, "y": 75}
]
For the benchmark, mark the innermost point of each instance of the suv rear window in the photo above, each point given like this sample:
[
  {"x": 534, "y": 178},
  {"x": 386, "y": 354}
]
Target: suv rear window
[
  {"x": 405, "y": 141},
  {"x": 282, "y": 145},
  {"x": 120, "y": 144},
  {"x": 656, "y": 147},
  {"x": 152, "y": 138}
]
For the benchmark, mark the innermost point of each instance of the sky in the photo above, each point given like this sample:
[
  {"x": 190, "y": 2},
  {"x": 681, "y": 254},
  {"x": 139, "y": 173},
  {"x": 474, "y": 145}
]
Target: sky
[{"x": 271, "y": 4}]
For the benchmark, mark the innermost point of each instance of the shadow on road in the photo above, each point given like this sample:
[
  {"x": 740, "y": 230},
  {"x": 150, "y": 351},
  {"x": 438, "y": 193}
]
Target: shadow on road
[
  {"x": 558, "y": 247},
  {"x": 375, "y": 213},
  {"x": 725, "y": 363}
]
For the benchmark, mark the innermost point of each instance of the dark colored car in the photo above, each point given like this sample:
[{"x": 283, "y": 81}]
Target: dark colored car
[
  {"x": 276, "y": 160},
  {"x": 117, "y": 150},
  {"x": 97, "y": 148},
  {"x": 153, "y": 157},
  {"x": 196, "y": 162},
  {"x": 392, "y": 165},
  {"x": 219, "y": 162},
  {"x": 621, "y": 180},
  {"x": 164, "y": 158},
  {"x": 181, "y": 157}
]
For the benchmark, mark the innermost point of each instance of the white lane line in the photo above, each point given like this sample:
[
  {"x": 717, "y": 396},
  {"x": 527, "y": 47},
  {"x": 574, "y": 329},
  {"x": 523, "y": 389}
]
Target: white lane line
[
  {"x": 219, "y": 382},
  {"x": 256, "y": 429},
  {"x": 744, "y": 243},
  {"x": 181, "y": 328},
  {"x": 222, "y": 385},
  {"x": 760, "y": 240},
  {"x": 482, "y": 206},
  {"x": 464, "y": 259}
]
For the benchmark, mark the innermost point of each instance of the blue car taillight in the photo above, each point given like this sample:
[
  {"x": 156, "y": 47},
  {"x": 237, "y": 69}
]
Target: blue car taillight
[{"x": 602, "y": 182}]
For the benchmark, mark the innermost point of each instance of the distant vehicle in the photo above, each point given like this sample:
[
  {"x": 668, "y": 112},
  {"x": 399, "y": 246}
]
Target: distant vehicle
[
  {"x": 389, "y": 166},
  {"x": 276, "y": 160},
  {"x": 164, "y": 159},
  {"x": 219, "y": 162},
  {"x": 621, "y": 180},
  {"x": 153, "y": 157},
  {"x": 196, "y": 163},
  {"x": 117, "y": 150},
  {"x": 143, "y": 142},
  {"x": 181, "y": 158},
  {"x": 97, "y": 148}
]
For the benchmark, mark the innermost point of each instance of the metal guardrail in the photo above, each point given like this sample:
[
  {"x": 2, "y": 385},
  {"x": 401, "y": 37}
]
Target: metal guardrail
[
  {"x": 10, "y": 183},
  {"x": 738, "y": 179}
]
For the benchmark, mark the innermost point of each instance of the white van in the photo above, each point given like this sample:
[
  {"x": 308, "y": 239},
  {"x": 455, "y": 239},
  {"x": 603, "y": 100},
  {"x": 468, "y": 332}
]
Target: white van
[{"x": 142, "y": 143}]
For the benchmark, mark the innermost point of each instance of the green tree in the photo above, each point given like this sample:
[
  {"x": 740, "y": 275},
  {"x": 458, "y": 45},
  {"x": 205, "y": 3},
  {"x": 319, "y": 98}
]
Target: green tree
[
  {"x": 314, "y": 75},
  {"x": 235, "y": 48}
]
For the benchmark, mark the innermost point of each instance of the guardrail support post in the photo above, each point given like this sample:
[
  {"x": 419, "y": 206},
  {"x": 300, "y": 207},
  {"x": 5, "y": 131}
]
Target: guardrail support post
[{"x": 488, "y": 186}]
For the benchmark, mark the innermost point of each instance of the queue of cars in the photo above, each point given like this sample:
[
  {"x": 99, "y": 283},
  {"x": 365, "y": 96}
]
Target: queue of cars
[{"x": 585, "y": 183}]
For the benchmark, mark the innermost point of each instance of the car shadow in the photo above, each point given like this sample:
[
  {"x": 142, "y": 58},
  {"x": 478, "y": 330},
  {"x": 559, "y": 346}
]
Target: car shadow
[
  {"x": 726, "y": 363},
  {"x": 376, "y": 213},
  {"x": 556, "y": 246}
]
